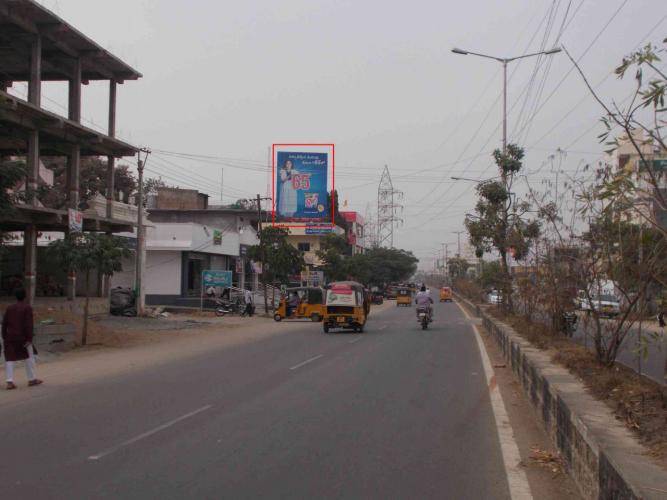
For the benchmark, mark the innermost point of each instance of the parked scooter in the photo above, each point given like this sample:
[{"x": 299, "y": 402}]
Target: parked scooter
[
  {"x": 224, "y": 306},
  {"x": 569, "y": 322}
]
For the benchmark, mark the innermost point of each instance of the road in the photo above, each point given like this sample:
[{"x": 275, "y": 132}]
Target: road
[{"x": 395, "y": 412}]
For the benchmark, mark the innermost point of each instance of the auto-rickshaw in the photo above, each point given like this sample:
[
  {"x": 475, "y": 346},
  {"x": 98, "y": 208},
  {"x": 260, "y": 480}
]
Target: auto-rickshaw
[
  {"x": 346, "y": 306},
  {"x": 403, "y": 297},
  {"x": 310, "y": 304},
  {"x": 445, "y": 294}
]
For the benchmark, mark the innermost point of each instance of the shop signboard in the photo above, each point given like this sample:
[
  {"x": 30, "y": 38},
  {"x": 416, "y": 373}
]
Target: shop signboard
[
  {"x": 222, "y": 279},
  {"x": 301, "y": 185},
  {"x": 75, "y": 219},
  {"x": 217, "y": 237}
]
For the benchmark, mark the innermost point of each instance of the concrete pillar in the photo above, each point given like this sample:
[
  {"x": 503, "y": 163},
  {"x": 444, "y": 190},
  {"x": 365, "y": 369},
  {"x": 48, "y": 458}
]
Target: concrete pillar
[
  {"x": 73, "y": 167},
  {"x": 111, "y": 161},
  {"x": 35, "y": 82},
  {"x": 74, "y": 101},
  {"x": 30, "y": 261}
]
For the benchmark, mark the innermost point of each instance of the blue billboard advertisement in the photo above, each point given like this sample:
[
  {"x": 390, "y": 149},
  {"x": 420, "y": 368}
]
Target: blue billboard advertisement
[{"x": 301, "y": 185}]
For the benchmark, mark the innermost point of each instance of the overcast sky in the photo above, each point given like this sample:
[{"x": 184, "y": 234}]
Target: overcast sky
[{"x": 377, "y": 78}]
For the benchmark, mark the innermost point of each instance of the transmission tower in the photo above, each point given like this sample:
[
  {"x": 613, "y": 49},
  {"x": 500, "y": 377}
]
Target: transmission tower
[{"x": 389, "y": 210}]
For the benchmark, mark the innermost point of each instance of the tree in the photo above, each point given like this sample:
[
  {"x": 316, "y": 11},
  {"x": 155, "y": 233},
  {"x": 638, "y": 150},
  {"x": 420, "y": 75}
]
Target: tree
[
  {"x": 279, "y": 259},
  {"x": 491, "y": 275},
  {"x": 458, "y": 266},
  {"x": 92, "y": 181},
  {"x": 332, "y": 252},
  {"x": 152, "y": 184},
  {"x": 381, "y": 266},
  {"x": 499, "y": 223},
  {"x": 87, "y": 252},
  {"x": 11, "y": 174}
]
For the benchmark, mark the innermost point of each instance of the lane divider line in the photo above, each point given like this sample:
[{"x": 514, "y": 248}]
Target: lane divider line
[
  {"x": 516, "y": 475},
  {"x": 307, "y": 361},
  {"x": 149, "y": 433},
  {"x": 355, "y": 340}
]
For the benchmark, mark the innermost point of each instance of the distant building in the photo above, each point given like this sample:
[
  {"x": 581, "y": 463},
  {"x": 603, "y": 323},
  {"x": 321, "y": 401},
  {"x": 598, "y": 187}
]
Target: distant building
[
  {"x": 307, "y": 239},
  {"x": 356, "y": 236}
]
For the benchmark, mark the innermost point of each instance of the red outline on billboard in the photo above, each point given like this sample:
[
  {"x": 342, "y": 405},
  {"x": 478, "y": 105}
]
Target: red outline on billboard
[{"x": 332, "y": 223}]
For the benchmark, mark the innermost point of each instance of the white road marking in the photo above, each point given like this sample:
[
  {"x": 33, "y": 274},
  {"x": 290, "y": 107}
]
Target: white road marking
[
  {"x": 355, "y": 340},
  {"x": 146, "y": 434},
  {"x": 306, "y": 362},
  {"x": 382, "y": 327},
  {"x": 516, "y": 476}
]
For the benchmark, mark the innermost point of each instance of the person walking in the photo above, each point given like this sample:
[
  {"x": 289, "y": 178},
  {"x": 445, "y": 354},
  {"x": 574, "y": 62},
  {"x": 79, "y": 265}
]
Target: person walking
[
  {"x": 17, "y": 335},
  {"x": 249, "y": 307}
]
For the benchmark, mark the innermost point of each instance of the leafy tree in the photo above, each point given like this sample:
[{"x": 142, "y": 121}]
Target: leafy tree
[
  {"x": 11, "y": 174},
  {"x": 381, "y": 266},
  {"x": 279, "y": 259},
  {"x": 152, "y": 184},
  {"x": 458, "y": 266},
  {"x": 491, "y": 275},
  {"x": 332, "y": 252},
  {"x": 92, "y": 180},
  {"x": 87, "y": 252},
  {"x": 499, "y": 223}
]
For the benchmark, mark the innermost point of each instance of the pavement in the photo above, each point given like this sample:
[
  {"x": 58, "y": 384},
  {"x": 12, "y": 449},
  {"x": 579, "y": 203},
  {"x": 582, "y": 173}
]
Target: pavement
[{"x": 272, "y": 410}]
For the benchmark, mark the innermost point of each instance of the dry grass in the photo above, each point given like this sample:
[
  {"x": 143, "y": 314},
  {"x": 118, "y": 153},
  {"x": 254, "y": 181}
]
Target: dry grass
[{"x": 638, "y": 402}]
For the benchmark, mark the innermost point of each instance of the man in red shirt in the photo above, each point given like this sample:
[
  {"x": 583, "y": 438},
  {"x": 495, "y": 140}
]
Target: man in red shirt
[{"x": 17, "y": 339}]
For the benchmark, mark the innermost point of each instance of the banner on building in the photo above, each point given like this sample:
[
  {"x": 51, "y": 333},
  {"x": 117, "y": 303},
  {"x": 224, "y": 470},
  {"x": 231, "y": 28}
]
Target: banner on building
[
  {"x": 301, "y": 185},
  {"x": 222, "y": 279},
  {"x": 75, "y": 219}
]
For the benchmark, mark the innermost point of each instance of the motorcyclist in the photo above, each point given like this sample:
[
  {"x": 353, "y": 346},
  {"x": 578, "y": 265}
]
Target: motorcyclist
[{"x": 423, "y": 299}]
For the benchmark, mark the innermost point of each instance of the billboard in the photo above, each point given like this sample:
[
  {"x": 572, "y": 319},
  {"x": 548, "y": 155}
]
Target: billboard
[{"x": 301, "y": 185}]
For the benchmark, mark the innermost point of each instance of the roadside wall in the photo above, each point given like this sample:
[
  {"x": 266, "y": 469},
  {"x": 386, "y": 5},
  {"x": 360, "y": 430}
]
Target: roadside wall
[{"x": 603, "y": 457}]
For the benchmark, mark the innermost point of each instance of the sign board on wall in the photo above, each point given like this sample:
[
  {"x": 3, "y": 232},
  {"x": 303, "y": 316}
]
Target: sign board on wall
[
  {"x": 301, "y": 185},
  {"x": 222, "y": 279},
  {"x": 75, "y": 219},
  {"x": 217, "y": 237}
]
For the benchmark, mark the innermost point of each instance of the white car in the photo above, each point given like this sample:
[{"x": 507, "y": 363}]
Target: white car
[
  {"x": 494, "y": 297},
  {"x": 604, "y": 304}
]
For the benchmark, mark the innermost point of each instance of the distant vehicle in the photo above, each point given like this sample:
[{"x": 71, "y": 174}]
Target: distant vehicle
[
  {"x": 346, "y": 307},
  {"x": 377, "y": 298},
  {"x": 403, "y": 297},
  {"x": 390, "y": 292},
  {"x": 445, "y": 294},
  {"x": 605, "y": 304},
  {"x": 603, "y": 299},
  {"x": 494, "y": 297}
]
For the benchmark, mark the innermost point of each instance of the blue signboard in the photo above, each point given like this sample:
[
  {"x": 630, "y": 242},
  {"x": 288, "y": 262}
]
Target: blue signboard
[
  {"x": 319, "y": 230},
  {"x": 222, "y": 279},
  {"x": 301, "y": 185}
]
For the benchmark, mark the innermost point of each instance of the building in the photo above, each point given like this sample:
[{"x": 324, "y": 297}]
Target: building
[
  {"x": 355, "y": 232},
  {"x": 183, "y": 242},
  {"x": 307, "y": 239},
  {"x": 648, "y": 204},
  {"x": 35, "y": 46}
]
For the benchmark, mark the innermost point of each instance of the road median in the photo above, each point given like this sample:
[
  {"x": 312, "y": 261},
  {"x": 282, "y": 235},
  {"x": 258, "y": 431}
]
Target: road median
[{"x": 603, "y": 457}]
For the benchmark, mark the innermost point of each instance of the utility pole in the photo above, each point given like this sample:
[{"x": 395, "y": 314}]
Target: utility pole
[
  {"x": 458, "y": 234},
  {"x": 259, "y": 200},
  {"x": 141, "y": 236}
]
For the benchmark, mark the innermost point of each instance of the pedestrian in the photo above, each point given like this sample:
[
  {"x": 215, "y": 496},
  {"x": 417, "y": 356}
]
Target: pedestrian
[
  {"x": 17, "y": 337},
  {"x": 249, "y": 307}
]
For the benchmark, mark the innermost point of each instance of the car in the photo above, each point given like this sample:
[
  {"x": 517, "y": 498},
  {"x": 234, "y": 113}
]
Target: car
[
  {"x": 604, "y": 304},
  {"x": 494, "y": 297}
]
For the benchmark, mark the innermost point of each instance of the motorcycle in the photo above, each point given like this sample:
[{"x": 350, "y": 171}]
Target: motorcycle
[
  {"x": 569, "y": 323},
  {"x": 423, "y": 317},
  {"x": 224, "y": 306}
]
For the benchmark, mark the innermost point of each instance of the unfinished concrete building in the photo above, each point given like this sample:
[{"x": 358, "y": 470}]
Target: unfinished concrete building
[{"x": 37, "y": 46}]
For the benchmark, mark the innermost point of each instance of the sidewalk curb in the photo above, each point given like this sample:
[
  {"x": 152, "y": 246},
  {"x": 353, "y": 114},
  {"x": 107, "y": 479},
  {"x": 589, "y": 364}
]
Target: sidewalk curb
[{"x": 602, "y": 456}]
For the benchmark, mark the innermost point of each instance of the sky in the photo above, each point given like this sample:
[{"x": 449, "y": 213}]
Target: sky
[{"x": 226, "y": 79}]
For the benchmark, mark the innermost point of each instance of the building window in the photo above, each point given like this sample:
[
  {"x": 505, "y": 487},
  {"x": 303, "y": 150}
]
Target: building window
[{"x": 303, "y": 247}]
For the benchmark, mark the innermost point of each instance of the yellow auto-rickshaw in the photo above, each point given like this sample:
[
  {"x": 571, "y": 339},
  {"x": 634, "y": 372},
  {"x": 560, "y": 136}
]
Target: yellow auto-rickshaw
[
  {"x": 346, "y": 306},
  {"x": 301, "y": 303},
  {"x": 445, "y": 294},
  {"x": 404, "y": 297}
]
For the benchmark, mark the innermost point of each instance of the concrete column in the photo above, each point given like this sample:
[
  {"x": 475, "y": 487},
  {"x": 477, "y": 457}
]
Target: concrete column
[
  {"x": 111, "y": 161},
  {"x": 34, "y": 97},
  {"x": 35, "y": 82},
  {"x": 30, "y": 261},
  {"x": 73, "y": 166},
  {"x": 74, "y": 101}
]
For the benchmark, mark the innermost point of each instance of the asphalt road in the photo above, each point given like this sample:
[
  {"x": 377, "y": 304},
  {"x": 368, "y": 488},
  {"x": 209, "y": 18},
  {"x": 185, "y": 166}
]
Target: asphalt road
[{"x": 395, "y": 412}]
